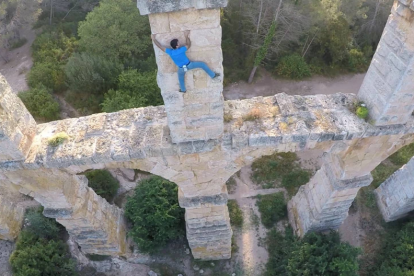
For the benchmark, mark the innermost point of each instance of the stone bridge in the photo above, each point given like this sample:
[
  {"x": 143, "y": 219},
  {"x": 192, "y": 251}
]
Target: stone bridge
[{"x": 187, "y": 140}]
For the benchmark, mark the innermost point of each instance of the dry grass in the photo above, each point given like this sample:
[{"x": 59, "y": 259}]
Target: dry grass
[
  {"x": 228, "y": 117},
  {"x": 58, "y": 139},
  {"x": 253, "y": 115}
]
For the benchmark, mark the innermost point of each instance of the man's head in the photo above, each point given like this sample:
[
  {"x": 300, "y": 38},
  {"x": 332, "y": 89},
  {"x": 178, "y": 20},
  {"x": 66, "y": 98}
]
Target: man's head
[{"x": 174, "y": 43}]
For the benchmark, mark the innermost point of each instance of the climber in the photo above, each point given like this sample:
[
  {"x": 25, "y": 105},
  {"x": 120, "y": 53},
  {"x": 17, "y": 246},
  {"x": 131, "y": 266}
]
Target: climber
[{"x": 179, "y": 57}]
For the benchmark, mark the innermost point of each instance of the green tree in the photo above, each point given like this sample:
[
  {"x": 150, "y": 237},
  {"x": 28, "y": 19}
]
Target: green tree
[
  {"x": 272, "y": 208},
  {"x": 48, "y": 74},
  {"x": 41, "y": 226},
  {"x": 315, "y": 254},
  {"x": 155, "y": 214},
  {"x": 294, "y": 67},
  {"x": 116, "y": 30},
  {"x": 91, "y": 74},
  {"x": 40, "y": 103},
  {"x": 35, "y": 256},
  {"x": 103, "y": 183},
  {"x": 135, "y": 89}
]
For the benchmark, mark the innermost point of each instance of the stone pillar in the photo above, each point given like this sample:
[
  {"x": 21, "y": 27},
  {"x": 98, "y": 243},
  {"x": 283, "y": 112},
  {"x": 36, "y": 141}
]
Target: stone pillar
[
  {"x": 97, "y": 226},
  {"x": 11, "y": 215},
  {"x": 17, "y": 126},
  {"x": 197, "y": 114},
  {"x": 395, "y": 197},
  {"x": 388, "y": 88},
  {"x": 323, "y": 203},
  {"x": 208, "y": 225}
]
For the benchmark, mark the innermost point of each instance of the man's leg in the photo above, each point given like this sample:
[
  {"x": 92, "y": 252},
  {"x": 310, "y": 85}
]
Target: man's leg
[
  {"x": 202, "y": 65},
  {"x": 181, "y": 75}
]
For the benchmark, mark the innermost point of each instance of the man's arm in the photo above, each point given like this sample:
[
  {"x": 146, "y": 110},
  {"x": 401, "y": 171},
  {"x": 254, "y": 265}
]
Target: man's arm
[
  {"x": 188, "y": 41},
  {"x": 157, "y": 43}
]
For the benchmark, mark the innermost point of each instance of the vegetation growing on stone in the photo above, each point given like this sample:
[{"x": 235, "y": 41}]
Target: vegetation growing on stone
[
  {"x": 155, "y": 214},
  {"x": 235, "y": 213},
  {"x": 315, "y": 254},
  {"x": 39, "y": 251},
  {"x": 103, "y": 183},
  {"x": 272, "y": 208},
  {"x": 362, "y": 112},
  {"x": 58, "y": 139}
]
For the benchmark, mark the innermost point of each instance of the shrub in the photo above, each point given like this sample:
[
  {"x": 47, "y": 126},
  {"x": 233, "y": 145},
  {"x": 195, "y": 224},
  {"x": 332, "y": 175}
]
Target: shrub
[
  {"x": 19, "y": 43},
  {"x": 396, "y": 256},
  {"x": 41, "y": 226},
  {"x": 315, "y": 254},
  {"x": 293, "y": 67},
  {"x": 58, "y": 139},
  {"x": 92, "y": 74},
  {"x": 403, "y": 155},
  {"x": 40, "y": 103},
  {"x": 362, "y": 112},
  {"x": 271, "y": 168},
  {"x": 135, "y": 89},
  {"x": 53, "y": 47},
  {"x": 236, "y": 214},
  {"x": 272, "y": 208},
  {"x": 357, "y": 61},
  {"x": 155, "y": 214},
  {"x": 103, "y": 183},
  {"x": 381, "y": 173},
  {"x": 48, "y": 74},
  {"x": 35, "y": 256},
  {"x": 293, "y": 180}
]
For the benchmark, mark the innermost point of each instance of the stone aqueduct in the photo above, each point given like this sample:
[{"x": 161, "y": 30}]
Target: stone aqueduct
[{"x": 188, "y": 142}]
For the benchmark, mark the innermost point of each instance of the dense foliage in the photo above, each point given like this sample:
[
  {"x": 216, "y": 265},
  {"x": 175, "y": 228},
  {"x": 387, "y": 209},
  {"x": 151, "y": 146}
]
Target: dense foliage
[
  {"x": 294, "y": 67},
  {"x": 272, "y": 208},
  {"x": 39, "y": 101},
  {"x": 103, "y": 183},
  {"x": 397, "y": 255},
  {"x": 155, "y": 214},
  {"x": 135, "y": 89},
  {"x": 39, "y": 251},
  {"x": 315, "y": 254}
]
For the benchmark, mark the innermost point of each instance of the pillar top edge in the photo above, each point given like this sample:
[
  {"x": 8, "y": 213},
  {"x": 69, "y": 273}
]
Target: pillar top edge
[{"x": 161, "y": 6}]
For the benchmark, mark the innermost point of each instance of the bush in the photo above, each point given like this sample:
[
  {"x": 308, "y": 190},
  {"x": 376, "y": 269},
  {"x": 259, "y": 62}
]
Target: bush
[
  {"x": 58, "y": 139},
  {"x": 135, "y": 89},
  {"x": 155, "y": 214},
  {"x": 41, "y": 226},
  {"x": 103, "y": 183},
  {"x": 91, "y": 74},
  {"x": 271, "y": 168},
  {"x": 40, "y": 103},
  {"x": 236, "y": 214},
  {"x": 47, "y": 74},
  {"x": 35, "y": 256},
  {"x": 381, "y": 173},
  {"x": 293, "y": 67},
  {"x": 272, "y": 208},
  {"x": 53, "y": 47},
  {"x": 315, "y": 254},
  {"x": 293, "y": 180},
  {"x": 396, "y": 256},
  {"x": 357, "y": 61},
  {"x": 403, "y": 155},
  {"x": 362, "y": 112}
]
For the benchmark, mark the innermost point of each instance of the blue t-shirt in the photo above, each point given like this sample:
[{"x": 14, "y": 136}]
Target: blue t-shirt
[{"x": 178, "y": 56}]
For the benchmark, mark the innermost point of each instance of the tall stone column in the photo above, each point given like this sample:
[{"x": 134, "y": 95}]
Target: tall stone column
[
  {"x": 388, "y": 87},
  {"x": 17, "y": 126},
  {"x": 197, "y": 114},
  {"x": 97, "y": 226},
  {"x": 208, "y": 225},
  {"x": 395, "y": 197},
  {"x": 323, "y": 203}
]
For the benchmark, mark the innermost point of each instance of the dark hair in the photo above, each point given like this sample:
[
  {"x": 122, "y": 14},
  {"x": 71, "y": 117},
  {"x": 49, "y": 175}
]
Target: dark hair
[{"x": 174, "y": 43}]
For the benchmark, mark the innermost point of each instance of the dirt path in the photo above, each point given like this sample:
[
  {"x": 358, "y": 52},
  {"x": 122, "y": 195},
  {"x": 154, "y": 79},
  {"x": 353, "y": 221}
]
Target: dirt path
[
  {"x": 268, "y": 86},
  {"x": 20, "y": 62}
]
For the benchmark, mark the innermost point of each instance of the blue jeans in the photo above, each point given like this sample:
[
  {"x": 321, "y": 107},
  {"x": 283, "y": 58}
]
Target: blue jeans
[{"x": 193, "y": 65}]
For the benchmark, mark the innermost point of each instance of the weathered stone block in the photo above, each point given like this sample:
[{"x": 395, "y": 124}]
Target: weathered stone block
[{"x": 149, "y": 6}]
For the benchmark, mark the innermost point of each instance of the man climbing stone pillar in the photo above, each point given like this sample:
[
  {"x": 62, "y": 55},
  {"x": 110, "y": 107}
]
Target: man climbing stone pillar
[
  {"x": 388, "y": 87},
  {"x": 324, "y": 202},
  {"x": 198, "y": 113},
  {"x": 395, "y": 196}
]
